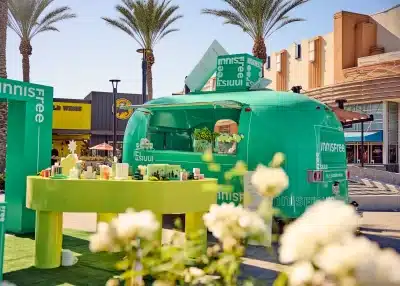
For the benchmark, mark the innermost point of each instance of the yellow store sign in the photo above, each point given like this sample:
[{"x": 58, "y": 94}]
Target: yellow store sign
[
  {"x": 123, "y": 114},
  {"x": 72, "y": 115}
]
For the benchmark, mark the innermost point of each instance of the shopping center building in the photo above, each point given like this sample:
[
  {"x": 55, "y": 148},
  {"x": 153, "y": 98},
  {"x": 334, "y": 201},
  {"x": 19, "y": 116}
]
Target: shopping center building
[
  {"x": 89, "y": 121},
  {"x": 358, "y": 62}
]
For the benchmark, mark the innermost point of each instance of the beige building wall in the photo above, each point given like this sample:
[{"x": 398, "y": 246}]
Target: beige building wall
[
  {"x": 328, "y": 76},
  {"x": 298, "y": 71},
  {"x": 296, "y": 74},
  {"x": 388, "y": 29},
  {"x": 271, "y": 73}
]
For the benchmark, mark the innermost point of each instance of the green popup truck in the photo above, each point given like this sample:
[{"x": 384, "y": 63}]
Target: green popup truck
[{"x": 305, "y": 130}]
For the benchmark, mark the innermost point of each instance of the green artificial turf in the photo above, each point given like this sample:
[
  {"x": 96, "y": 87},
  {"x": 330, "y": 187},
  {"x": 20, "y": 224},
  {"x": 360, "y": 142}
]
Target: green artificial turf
[{"x": 91, "y": 269}]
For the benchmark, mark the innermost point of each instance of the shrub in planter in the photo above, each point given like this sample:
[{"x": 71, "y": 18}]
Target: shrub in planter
[
  {"x": 202, "y": 139},
  {"x": 226, "y": 141}
]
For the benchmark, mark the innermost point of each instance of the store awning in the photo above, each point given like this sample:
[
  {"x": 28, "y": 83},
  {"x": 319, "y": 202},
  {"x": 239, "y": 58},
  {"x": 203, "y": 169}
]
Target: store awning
[
  {"x": 376, "y": 136},
  {"x": 102, "y": 147},
  {"x": 347, "y": 117}
]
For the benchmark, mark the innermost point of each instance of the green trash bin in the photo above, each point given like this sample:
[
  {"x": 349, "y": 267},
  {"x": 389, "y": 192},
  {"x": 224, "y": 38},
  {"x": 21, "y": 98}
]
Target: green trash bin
[{"x": 2, "y": 236}]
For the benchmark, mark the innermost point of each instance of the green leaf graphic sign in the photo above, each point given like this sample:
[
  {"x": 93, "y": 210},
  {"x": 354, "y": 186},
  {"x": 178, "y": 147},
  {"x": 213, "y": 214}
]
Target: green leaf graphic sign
[{"x": 29, "y": 143}]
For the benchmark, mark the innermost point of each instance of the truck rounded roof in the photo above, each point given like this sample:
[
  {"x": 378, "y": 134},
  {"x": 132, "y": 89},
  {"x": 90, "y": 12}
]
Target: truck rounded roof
[{"x": 252, "y": 98}]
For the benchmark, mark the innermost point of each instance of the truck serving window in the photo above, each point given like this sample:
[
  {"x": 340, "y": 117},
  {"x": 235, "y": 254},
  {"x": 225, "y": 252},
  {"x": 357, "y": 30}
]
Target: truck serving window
[{"x": 172, "y": 127}]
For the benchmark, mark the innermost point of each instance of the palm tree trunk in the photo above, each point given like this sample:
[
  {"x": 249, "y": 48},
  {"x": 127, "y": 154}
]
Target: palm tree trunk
[
  {"x": 149, "y": 79},
  {"x": 260, "y": 50},
  {"x": 25, "y": 49},
  {"x": 3, "y": 74},
  {"x": 149, "y": 74}
]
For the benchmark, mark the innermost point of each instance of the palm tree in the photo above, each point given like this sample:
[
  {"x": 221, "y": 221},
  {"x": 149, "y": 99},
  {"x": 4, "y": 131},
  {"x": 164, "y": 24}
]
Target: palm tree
[
  {"x": 27, "y": 19},
  {"x": 147, "y": 22},
  {"x": 3, "y": 74},
  {"x": 258, "y": 18}
]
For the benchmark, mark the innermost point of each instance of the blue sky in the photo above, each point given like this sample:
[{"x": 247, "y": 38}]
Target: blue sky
[{"x": 87, "y": 52}]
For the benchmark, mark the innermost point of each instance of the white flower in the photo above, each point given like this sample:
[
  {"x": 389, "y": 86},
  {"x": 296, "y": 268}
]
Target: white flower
[
  {"x": 103, "y": 240},
  {"x": 270, "y": 181},
  {"x": 229, "y": 223},
  {"x": 342, "y": 258},
  {"x": 132, "y": 225},
  {"x": 323, "y": 223},
  {"x": 301, "y": 273},
  {"x": 196, "y": 276},
  {"x": 163, "y": 283},
  {"x": 382, "y": 270}
]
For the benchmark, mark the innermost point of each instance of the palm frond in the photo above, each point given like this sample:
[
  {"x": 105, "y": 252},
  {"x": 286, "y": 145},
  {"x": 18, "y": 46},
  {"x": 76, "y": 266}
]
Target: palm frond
[
  {"x": 147, "y": 21},
  {"x": 27, "y": 17},
  {"x": 281, "y": 12},
  {"x": 284, "y": 23},
  {"x": 258, "y": 18}
]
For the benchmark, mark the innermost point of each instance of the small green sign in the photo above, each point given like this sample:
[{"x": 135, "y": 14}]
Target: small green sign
[{"x": 237, "y": 72}]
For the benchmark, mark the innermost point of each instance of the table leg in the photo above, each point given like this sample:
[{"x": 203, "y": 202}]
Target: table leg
[
  {"x": 48, "y": 239},
  {"x": 193, "y": 225}
]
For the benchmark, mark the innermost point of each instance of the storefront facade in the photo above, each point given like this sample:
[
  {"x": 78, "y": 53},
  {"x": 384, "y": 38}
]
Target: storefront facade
[
  {"x": 89, "y": 121},
  {"x": 102, "y": 116},
  {"x": 71, "y": 121},
  {"x": 358, "y": 62}
]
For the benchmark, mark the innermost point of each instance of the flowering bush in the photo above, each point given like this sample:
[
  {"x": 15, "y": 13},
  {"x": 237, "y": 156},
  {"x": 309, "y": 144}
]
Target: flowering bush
[
  {"x": 320, "y": 246},
  {"x": 323, "y": 250},
  {"x": 229, "y": 138}
]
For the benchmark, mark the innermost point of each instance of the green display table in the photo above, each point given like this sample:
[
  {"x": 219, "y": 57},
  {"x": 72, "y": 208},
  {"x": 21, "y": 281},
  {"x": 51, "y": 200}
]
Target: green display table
[{"x": 50, "y": 198}]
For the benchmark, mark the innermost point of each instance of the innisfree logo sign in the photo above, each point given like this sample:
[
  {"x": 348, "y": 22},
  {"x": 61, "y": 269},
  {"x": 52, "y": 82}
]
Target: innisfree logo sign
[
  {"x": 19, "y": 91},
  {"x": 237, "y": 72}
]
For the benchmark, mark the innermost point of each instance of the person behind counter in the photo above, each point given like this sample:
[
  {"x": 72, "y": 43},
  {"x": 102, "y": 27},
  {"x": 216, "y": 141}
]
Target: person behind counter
[{"x": 54, "y": 156}]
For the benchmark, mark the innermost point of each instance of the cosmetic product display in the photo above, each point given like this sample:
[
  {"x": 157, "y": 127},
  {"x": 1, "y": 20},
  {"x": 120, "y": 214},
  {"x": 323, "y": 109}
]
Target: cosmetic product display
[
  {"x": 183, "y": 176},
  {"x": 74, "y": 173},
  {"x": 122, "y": 171},
  {"x": 114, "y": 167}
]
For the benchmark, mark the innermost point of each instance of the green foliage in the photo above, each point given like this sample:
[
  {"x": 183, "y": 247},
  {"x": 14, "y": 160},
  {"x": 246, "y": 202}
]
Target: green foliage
[
  {"x": 203, "y": 134},
  {"x": 258, "y": 18},
  {"x": 147, "y": 22},
  {"x": 27, "y": 18},
  {"x": 229, "y": 138}
]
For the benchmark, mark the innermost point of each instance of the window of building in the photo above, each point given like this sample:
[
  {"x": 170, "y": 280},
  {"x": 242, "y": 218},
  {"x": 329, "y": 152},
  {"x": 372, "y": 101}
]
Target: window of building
[
  {"x": 268, "y": 62},
  {"x": 375, "y": 109},
  {"x": 278, "y": 62},
  {"x": 298, "y": 51},
  {"x": 311, "y": 51}
]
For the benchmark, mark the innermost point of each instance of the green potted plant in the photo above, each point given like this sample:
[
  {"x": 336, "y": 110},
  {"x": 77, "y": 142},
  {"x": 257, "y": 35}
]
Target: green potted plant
[
  {"x": 226, "y": 141},
  {"x": 202, "y": 139}
]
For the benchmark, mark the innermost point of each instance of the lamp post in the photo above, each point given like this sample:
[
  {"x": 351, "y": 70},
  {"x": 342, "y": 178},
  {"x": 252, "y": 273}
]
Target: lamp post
[
  {"x": 114, "y": 83},
  {"x": 144, "y": 75}
]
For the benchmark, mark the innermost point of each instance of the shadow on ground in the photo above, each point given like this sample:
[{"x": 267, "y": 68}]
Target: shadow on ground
[{"x": 91, "y": 269}]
